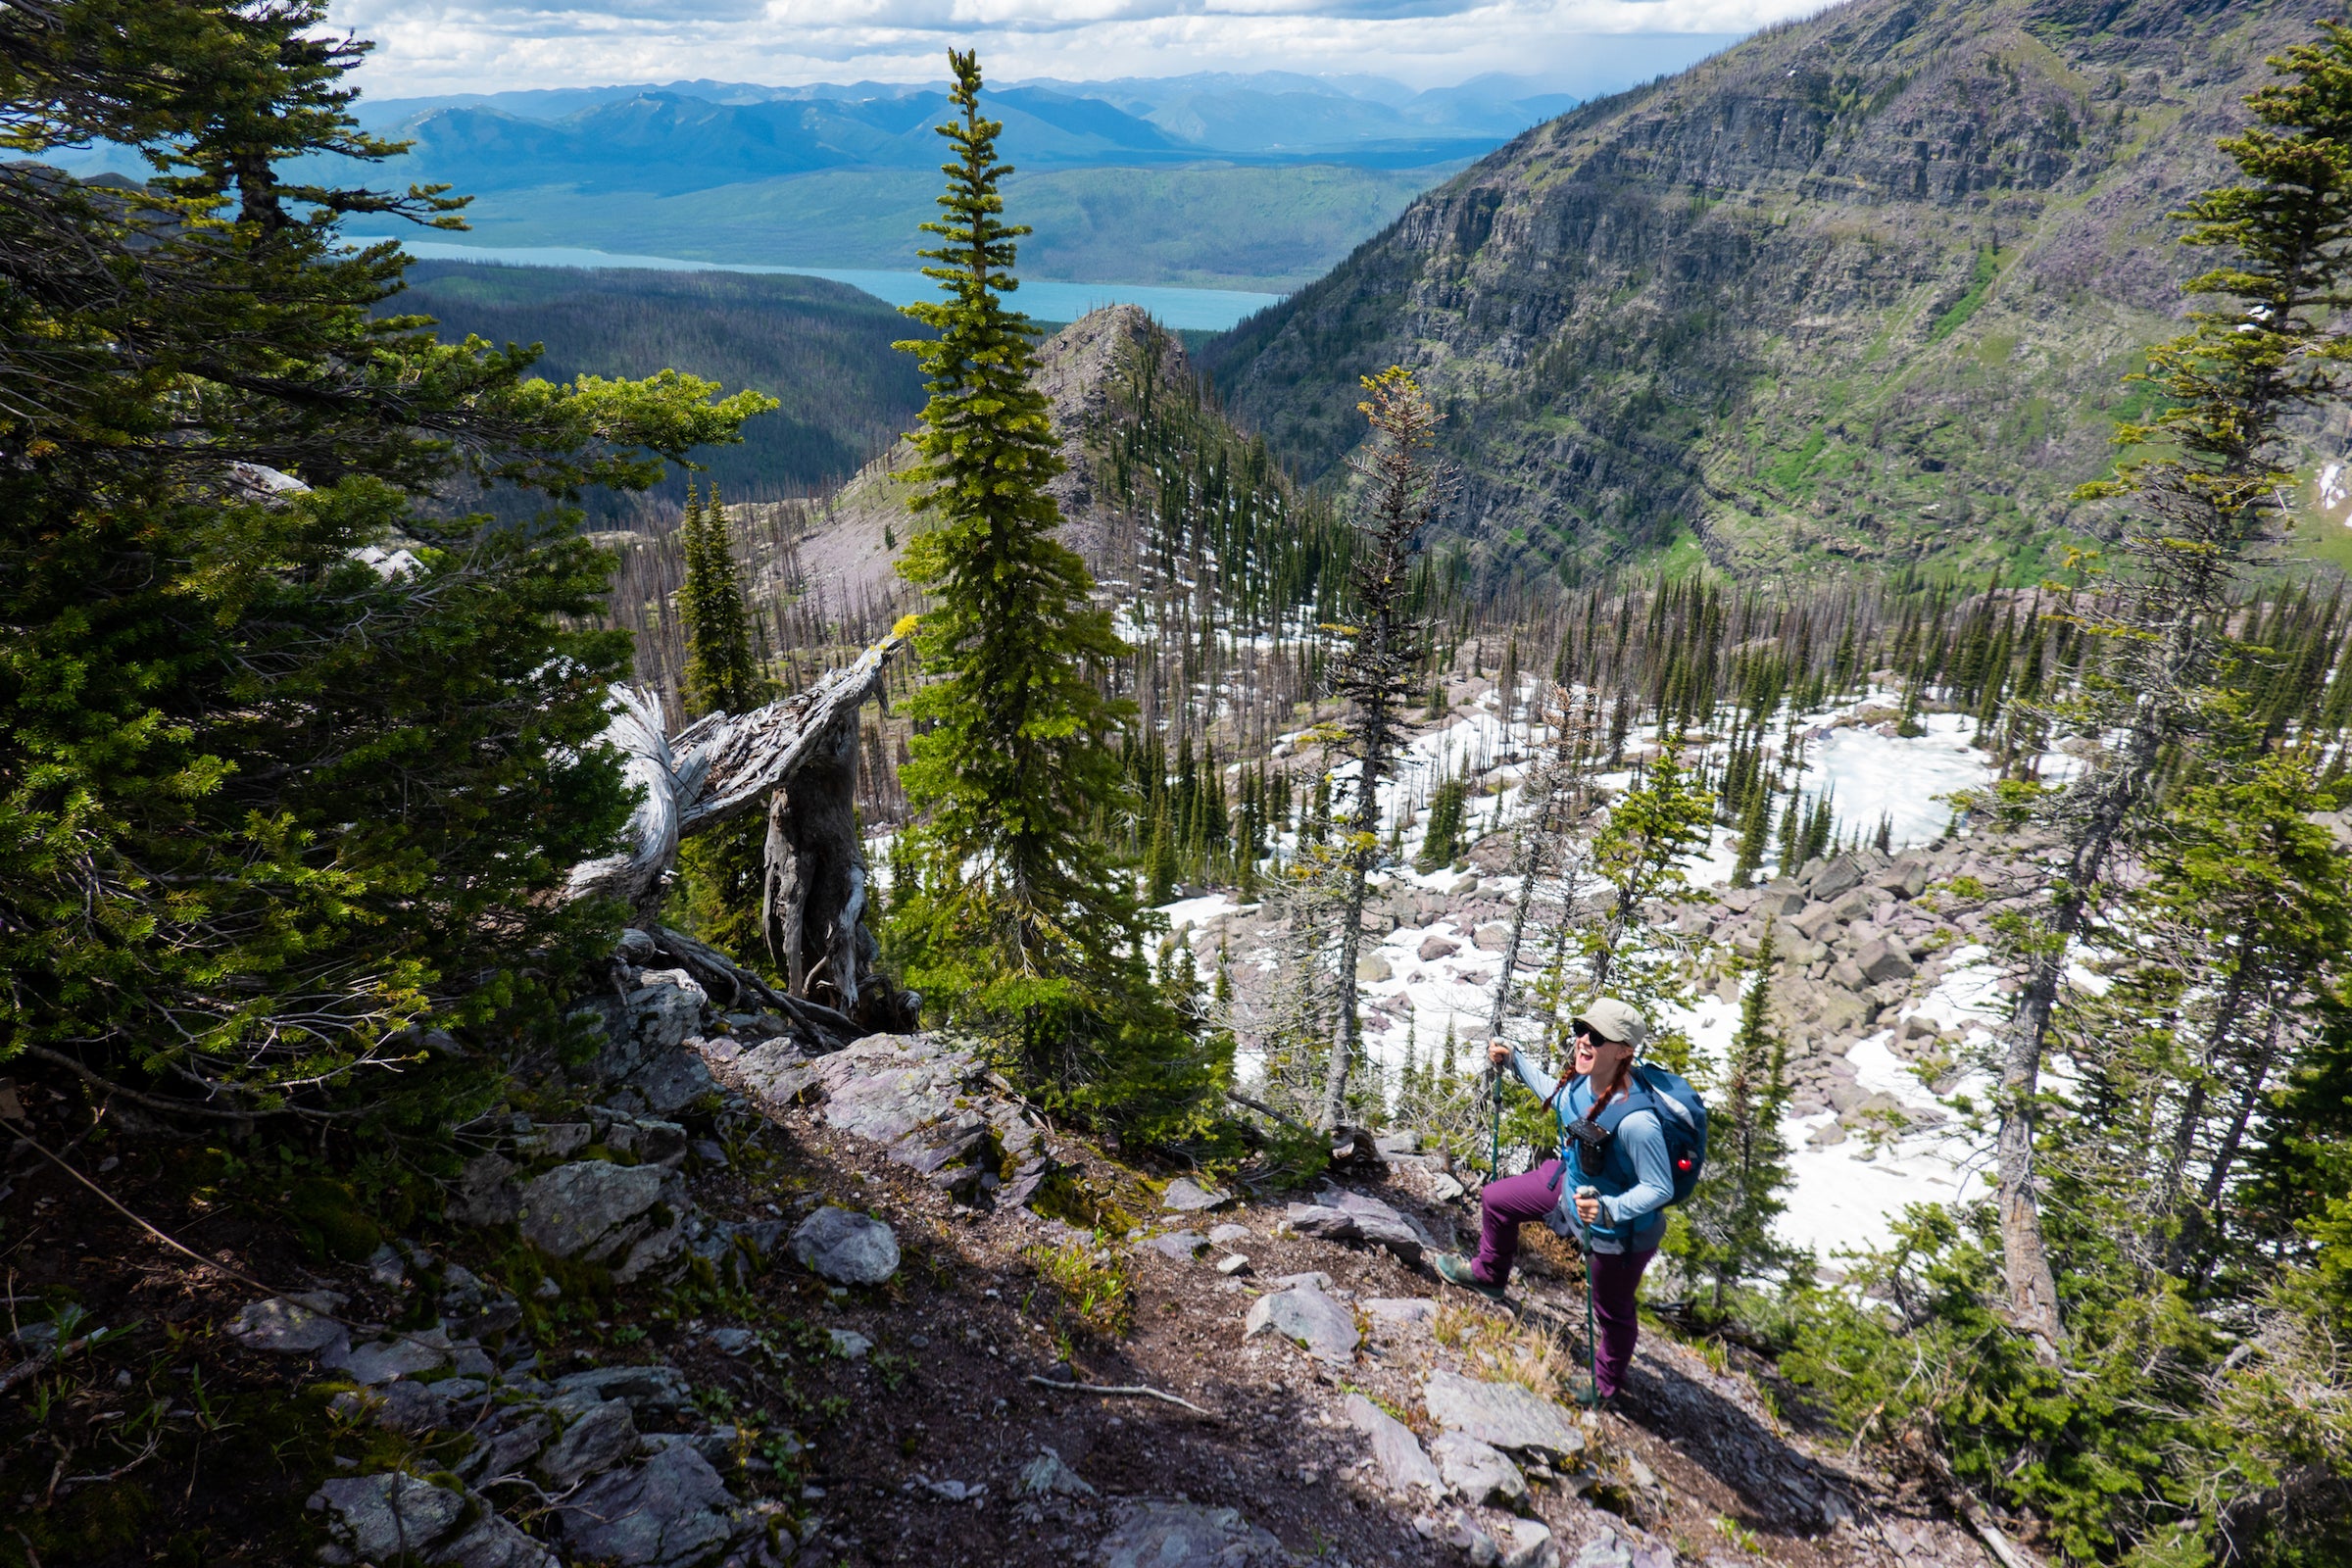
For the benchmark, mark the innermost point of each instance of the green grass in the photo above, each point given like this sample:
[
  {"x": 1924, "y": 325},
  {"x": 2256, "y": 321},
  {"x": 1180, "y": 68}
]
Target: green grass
[{"x": 1988, "y": 268}]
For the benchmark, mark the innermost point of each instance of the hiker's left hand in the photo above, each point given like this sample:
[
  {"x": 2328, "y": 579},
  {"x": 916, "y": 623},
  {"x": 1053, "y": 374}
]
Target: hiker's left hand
[{"x": 1588, "y": 1209}]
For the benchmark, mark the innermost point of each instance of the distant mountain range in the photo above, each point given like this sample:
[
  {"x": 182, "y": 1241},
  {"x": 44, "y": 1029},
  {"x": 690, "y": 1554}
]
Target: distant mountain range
[
  {"x": 691, "y": 134},
  {"x": 687, "y": 137},
  {"x": 1258, "y": 181}
]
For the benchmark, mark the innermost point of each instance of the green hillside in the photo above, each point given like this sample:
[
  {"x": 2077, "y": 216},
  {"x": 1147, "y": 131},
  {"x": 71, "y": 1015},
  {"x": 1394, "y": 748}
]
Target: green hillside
[
  {"x": 1860, "y": 290},
  {"x": 823, "y": 348}
]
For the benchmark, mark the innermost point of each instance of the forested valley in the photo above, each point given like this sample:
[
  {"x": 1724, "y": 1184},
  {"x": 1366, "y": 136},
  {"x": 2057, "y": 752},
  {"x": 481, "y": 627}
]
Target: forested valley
[{"x": 722, "y": 942}]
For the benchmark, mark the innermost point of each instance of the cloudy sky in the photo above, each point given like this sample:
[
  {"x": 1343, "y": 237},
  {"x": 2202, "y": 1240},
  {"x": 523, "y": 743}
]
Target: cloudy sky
[{"x": 443, "y": 46}]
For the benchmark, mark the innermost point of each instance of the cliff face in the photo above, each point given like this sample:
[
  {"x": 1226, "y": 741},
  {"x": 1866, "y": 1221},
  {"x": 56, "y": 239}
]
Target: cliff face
[{"x": 1863, "y": 286}]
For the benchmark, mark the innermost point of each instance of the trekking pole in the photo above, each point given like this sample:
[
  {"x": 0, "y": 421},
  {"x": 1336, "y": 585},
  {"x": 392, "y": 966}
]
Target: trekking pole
[
  {"x": 1592, "y": 1340},
  {"x": 1495, "y": 1159}
]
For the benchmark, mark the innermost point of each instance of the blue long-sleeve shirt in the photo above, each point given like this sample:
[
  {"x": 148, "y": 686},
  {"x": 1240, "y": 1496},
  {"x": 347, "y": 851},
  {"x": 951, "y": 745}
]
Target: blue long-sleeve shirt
[{"x": 1636, "y": 1180}]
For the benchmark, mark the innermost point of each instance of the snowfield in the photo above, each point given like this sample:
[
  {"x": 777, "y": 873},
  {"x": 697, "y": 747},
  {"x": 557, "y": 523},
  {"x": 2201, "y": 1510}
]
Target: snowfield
[{"x": 1845, "y": 1192}]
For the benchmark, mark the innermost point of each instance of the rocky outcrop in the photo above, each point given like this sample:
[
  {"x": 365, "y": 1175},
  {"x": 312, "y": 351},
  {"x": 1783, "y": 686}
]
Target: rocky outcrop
[{"x": 932, "y": 1105}]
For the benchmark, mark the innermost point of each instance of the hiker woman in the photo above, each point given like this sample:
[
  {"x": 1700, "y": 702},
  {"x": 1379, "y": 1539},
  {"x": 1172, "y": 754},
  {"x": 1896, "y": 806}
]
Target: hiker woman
[{"x": 1627, "y": 1175}]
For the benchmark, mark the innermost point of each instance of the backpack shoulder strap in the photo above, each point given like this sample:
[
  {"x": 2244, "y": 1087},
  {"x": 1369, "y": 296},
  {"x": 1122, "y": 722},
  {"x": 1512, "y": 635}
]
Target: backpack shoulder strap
[
  {"x": 1636, "y": 1095},
  {"x": 1665, "y": 1101}
]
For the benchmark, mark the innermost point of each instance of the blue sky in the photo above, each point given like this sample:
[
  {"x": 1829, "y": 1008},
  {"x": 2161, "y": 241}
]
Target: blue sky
[{"x": 443, "y": 46}]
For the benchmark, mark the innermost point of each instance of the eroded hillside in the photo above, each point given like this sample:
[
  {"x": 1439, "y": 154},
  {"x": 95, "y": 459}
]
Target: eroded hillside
[{"x": 1862, "y": 287}]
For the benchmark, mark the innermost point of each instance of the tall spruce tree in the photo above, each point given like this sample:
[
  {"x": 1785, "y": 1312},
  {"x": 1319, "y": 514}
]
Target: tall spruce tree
[
  {"x": 1405, "y": 490},
  {"x": 1018, "y": 927},
  {"x": 721, "y": 874},
  {"x": 721, "y": 674},
  {"x": 263, "y": 804}
]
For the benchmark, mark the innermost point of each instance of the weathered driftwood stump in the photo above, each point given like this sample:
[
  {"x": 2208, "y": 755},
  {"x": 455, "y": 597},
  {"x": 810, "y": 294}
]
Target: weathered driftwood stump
[{"x": 799, "y": 757}]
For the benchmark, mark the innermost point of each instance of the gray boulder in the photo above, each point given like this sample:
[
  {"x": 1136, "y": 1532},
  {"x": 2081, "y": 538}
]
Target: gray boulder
[
  {"x": 1319, "y": 1325},
  {"x": 1404, "y": 1312},
  {"x": 472, "y": 1309},
  {"x": 1047, "y": 1475},
  {"x": 506, "y": 1445},
  {"x": 846, "y": 1248},
  {"x": 672, "y": 1080},
  {"x": 1372, "y": 968},
  {"x": 1379, "y": 1223},
  {"x": 1188, "y": 1535},
  {"x": 1395, "y": 1449},
  {"x": 1613, "y": 1548},
  {"x": 396, "y": 1356},
  {"x": 1321, "y": 1221},
  {"x": 657, "y": 1390},
  {"x": 1434, "y": 949},
  {"x": 1493, "y": 937},
  {"x": 1178, "y": 1245},
  {"x": 776, "y": 1073},
  {"x": 486, "y": 1193},
  {"x": 1841, "y": 875},
  {"x": 584, "y": 1209},
  {"x": 1187, "y": 1197},
  {"x": 598, "y": 1434},
  {"x": 670, "y": 1511},
  {"x": 1480, "y": 1473},
  {"x": 377, "y": 1518},
  {"x": 1884, "y": 959},
  {"x": 290, "y": 1325},
  {"x": 1501, "y": 1415},
  {"x": 666, "y": 1011},
  {"x": 1528, "y": 1543}
]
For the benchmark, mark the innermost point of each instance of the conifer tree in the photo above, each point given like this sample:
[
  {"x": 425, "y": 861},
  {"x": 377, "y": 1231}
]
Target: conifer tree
[
  {"x": 1441, "y": 838},
  {"x": 722, "y": 674},
  {"x": 1728, "y": 1237},
  {"x": 262, "y": 805},
  {"x": 721, "y": 874},
  {"x": 2194, "y": 512},
  {"x": 1404, "y": 494},
  {"x": 1021, "y": 929}
]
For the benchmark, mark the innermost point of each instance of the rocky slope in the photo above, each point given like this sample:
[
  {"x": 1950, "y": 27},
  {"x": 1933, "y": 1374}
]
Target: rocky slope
[
  {"x": 705, "y": 1300},
  {"x": 1861, "y": 287},
  {"x": 848, "y": 542}
]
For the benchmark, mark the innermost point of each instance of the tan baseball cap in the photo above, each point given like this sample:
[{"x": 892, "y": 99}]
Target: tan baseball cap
[{"x": 1613, "y": 1020}]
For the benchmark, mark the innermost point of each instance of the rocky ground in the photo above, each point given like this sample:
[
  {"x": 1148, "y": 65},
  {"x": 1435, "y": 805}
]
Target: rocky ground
[{"x": 716, "y": 1300}]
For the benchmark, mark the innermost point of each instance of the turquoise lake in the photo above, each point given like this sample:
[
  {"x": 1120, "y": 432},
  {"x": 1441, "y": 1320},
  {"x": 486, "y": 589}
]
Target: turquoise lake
[{"x": 1210, "y": 310}]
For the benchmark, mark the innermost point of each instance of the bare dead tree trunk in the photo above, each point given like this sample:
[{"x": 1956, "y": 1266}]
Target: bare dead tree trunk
[
  {"x": 2217, "y": 1179},
  {"x": 1345, "y": 1035},
  {"x": 814, "y": 892},
  {"x": 723, "y": 765},
  {"x": 2192, "y": 1109}
]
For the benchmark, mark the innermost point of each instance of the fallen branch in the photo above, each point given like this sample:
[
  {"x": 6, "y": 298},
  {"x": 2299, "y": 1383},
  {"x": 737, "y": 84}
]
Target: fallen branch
[
  {"x": 2010, "y": 1553},
  {"x": 1135, "y": 1389},
  {"x": 171, "y": 1108},
  {"x": 40, "y": 1359},
  {"x": 1293, "y": 1124}
]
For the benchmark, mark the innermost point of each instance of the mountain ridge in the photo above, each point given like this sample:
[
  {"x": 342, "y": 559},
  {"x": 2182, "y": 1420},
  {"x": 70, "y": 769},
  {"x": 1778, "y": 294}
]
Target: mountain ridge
[{"x": 1861, "y": 289}]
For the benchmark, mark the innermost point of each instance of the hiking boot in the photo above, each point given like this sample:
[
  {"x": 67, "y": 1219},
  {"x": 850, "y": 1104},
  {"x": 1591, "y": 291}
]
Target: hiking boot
[
  {"x": 1455, "y": 1269},
  {"x": 1587, "y": 1394}
]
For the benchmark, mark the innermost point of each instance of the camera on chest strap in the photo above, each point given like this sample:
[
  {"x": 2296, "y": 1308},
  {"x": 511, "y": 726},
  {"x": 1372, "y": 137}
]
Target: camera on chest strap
[{"x": 1591, "y": 1144}]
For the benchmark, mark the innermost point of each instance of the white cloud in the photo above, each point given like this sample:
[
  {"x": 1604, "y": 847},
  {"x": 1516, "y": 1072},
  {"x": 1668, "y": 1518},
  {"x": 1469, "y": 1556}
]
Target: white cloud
[{"x": 441, "y": 46}]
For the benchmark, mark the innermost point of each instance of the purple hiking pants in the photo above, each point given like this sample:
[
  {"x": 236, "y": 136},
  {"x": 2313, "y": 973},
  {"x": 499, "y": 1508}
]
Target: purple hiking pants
[{"x": 1504, "y": 1206}]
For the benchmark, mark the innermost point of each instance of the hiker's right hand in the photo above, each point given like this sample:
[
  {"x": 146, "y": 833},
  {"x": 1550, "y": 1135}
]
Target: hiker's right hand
[{"x": 1499, "y": 1053}]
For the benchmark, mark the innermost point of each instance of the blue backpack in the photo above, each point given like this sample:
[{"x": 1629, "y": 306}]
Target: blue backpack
[{"x": 1679, "y": 1111}]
